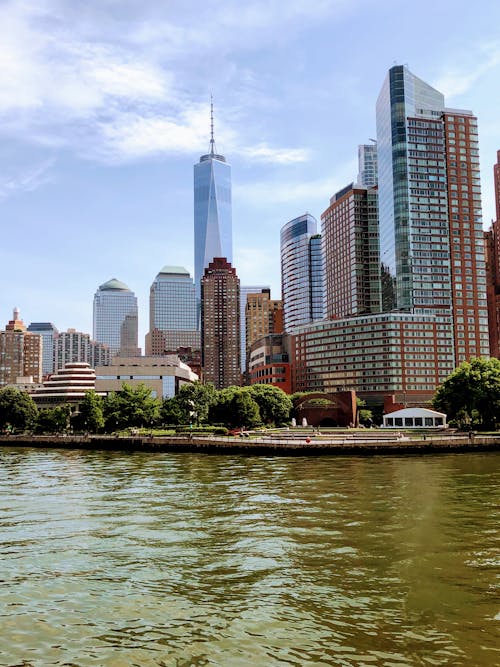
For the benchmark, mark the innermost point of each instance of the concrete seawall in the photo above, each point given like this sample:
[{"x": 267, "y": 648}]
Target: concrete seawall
[{"x": 267, "y": 445}]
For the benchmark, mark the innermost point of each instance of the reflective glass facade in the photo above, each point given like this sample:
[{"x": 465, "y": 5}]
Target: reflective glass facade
[
  {"x": 367, "y": 165},
  {"x": 115, "y": 318},
  {"x": 301, "y": 272},
  {"x": 48, "y": 332},
  {"x": 212, "y": 213},
  {"x": 172, "y": 308},
  {"x": 412, "y": 192}
]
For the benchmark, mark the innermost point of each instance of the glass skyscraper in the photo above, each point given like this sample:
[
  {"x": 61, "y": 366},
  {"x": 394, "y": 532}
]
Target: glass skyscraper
[
  {"x": 212, "y": 211},
  {"x": 49, "y": 333},
  {"x": 367, "y": 165},
  {"x": 172, "y": 311},
  {"x": 301, "y": 272},
  {"x": 115, "y": 318},
  {"x": 431, "y": 234}
]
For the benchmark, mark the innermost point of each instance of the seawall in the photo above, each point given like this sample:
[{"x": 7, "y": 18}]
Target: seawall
[{"x": 265, "y": 445}]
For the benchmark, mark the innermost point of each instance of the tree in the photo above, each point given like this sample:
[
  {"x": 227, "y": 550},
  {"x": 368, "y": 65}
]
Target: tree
[
  {"x": 274, "y": 404},
  {"x": 171, "y": 412},
  {"x": 244, "y": 410},
  {"x": 17, "y": 409},
  {"x": 90, "y": 415},
  {"x": 195, "y": 400},
  {"x": 131, "y": 407},
  {"x": 470, "y": 396},
  {"x": 53, "y": 420}
]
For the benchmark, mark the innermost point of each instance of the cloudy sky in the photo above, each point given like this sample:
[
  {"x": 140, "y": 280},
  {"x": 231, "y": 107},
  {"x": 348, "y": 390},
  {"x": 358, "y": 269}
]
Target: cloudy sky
[{"x": 104, "y": 109}]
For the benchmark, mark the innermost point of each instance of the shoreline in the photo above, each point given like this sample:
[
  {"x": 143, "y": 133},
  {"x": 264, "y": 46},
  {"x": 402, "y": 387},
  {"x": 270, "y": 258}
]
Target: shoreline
[{"x": 270, "y": 445}]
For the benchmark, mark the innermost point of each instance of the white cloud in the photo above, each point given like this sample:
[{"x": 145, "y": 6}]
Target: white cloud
[
  {"x": 26, "y": 181},
  {"x": 456, "y": 81},
  {"x": 264, "y": 153}
]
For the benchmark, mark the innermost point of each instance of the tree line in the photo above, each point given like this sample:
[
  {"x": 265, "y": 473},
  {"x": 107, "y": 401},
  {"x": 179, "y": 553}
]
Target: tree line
[{"x": 470, "y": 397}]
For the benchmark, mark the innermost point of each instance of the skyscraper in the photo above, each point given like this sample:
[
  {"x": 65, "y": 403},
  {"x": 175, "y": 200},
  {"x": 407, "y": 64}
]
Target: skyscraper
[
  {"x": 351, "y": 261},
  {"x": 220, "y": 324},
  {"x": 301, "y": 271},
  {"x": 431, "y": 238},
  {"x": 49, "y": 333},
  {"x": 245, "y": 290},
  {"x": 115, "y": 318},
  {"x": 492, "y": 246},
  {"x": 212, "y": 210},
  {"x": 367, "y": 165},
  {"x": 172, "y": 312}
]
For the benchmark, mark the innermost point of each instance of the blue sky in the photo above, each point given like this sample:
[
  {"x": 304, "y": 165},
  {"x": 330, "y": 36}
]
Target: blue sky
[{"x": 104, "y": 109}]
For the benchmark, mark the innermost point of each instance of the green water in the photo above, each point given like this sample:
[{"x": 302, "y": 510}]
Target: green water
[{"x": 189, "y": 560}]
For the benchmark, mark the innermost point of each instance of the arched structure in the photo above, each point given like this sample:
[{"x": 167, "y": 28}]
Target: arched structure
[{"x": 339, "y": 409}]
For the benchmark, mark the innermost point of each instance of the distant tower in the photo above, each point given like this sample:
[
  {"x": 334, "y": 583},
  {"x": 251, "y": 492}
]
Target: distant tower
[
  {"x": 220, "y": 324},
  {"x": 367, "y": 165},
  {"x": 115, "y": 318},
  {"x": 212, "y": 210},
  {"x": 301, "y": 272},
  {"x": 245, "y": 290},
  {"x": 172, "y": 312},
  {"x": 49, "y": 333}
]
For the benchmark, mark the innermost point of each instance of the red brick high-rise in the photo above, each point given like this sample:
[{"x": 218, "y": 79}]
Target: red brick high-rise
[
  {"x": 220, "y": 324},
  {"x": 492, "y": 245}
]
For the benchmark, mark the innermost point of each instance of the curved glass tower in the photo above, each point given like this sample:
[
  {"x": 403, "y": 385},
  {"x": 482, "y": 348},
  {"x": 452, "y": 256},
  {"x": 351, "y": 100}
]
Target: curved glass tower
[
  {"x": 212, "y": 211},
  {"x": 115, "y": 318},
  {"x": 301, "y": 272}
]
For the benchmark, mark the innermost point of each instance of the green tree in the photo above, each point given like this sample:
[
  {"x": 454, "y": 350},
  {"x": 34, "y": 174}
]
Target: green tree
[
  {"x": 53, "y": 420},
  {"x": 470, "y": 396},
  {"x": 195, "y": 400},
  {"x": 220, "y": 410},
  {"x": 131, "y": 407},
  {"x": 274, "y": 404},
  {"x": 17, "y": 409},
  {"x": 90, "y": 415},
  {"x": 244, "y": 410},
  {"x": 171, "y": 412}
]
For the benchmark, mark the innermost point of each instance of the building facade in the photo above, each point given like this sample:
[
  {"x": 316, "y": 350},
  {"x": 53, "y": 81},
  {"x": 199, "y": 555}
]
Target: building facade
[
  {"x": 220, "y": 324},
  {"x": 492, "y": 248},
  {"x": 172, "y": 312},
  {"x": 404, "y": 354},
  {"x": 115, "y": 318},
  {"x": 164, "y": 375},
  {"x": 301, "y": 272},
  {"x": 431, "y": 239},
  {"x": 49, "y": 333},
  {"x": 68, "y": 385},
  {"x": 73, "y": 346},
  {"x": 367, "y": 165},
  {"x": 351, "y": 255},
  {"x": 262, "y": 316},
  {"x": 245, "y": 290},
  {"x": 213, "y": 236},
  {"x": 269, "y": 362},
  {"x": 21, "y": 352}
]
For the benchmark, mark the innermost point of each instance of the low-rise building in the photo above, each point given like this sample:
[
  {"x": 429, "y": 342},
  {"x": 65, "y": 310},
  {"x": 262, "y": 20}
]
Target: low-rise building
[{"x": 163, "y": 375}]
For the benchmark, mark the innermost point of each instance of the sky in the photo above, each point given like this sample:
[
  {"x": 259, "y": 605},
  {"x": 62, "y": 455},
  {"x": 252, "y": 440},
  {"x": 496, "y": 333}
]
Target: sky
[{"x": 105, "y": 108}]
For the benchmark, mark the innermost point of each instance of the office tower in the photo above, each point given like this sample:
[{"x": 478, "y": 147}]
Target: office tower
[
  {"x": 492, "y": 248},
  {"x": 115, "y": 318},
  {"x": 172, "y": 312},
  {"x": 351, "y": 257},
  {"x": 367, "y": 165},
  {"x": 431, "y": 239},
  {"x": 212, "y": 210},
  {"x": 220, "y": 324},
  {"x": 261, "y": 317},
  {"x": 245, "y": 290},
  {"x": 48, "y": 332},
  {"x": 20, "y": 352},
  {"x": 301, "y": 272}
]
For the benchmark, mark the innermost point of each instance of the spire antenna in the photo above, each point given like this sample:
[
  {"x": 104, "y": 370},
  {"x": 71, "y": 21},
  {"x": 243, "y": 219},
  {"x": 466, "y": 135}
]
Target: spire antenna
[{"x": 213, "y": 148}]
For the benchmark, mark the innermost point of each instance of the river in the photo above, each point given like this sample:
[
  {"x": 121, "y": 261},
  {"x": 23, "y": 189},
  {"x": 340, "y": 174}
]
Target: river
[{"x": 193, "y": 560}]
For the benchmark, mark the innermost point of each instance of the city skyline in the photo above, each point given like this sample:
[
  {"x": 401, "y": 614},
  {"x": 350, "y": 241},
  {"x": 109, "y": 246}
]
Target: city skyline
[{"x": 107, "y": 154}]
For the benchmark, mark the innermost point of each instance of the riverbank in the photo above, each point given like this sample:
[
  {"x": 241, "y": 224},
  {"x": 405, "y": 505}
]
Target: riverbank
[{"x": 282, "y": 443}]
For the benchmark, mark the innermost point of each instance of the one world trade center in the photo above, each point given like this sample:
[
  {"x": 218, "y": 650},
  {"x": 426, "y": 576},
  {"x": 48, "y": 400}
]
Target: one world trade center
[{"x": 212, "y": 210}]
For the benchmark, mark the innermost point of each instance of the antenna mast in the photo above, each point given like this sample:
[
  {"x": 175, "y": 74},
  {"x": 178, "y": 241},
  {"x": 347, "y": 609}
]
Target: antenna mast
[{"x": 213, "y": 148}]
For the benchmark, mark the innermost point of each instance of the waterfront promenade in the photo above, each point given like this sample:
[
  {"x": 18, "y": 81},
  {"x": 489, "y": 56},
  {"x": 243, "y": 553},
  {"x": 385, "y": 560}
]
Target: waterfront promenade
[{"x": 291, "y": 442}]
